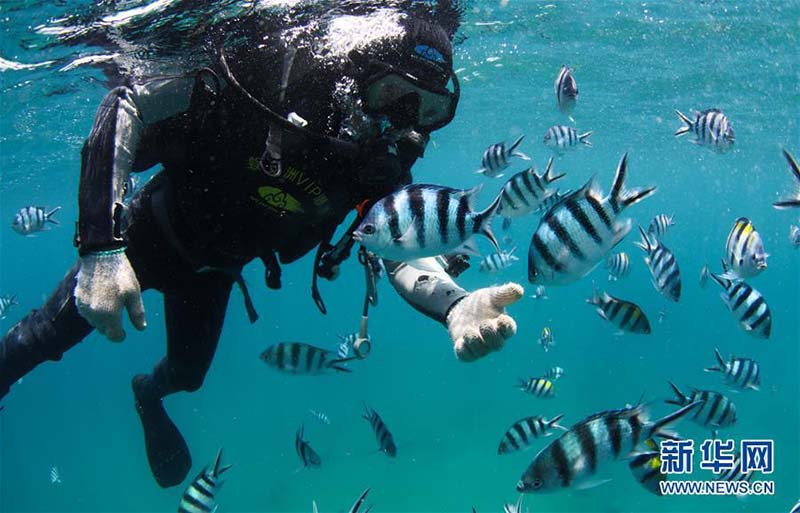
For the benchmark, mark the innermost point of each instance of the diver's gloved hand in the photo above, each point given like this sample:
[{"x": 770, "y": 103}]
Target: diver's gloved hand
[
  {"x": 105, "y": 285},
  {"x": 478, "y": 323}
]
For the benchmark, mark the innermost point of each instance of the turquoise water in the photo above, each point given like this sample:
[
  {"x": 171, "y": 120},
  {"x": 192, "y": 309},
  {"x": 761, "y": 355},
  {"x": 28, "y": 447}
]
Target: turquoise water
[{"x": 635, "y": 62}]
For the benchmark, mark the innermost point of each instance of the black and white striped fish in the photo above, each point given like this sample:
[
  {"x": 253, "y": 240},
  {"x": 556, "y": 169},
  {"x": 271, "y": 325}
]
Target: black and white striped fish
[
  {"x": 498, "y": 261},
  {"x": 199, "y": 496},
  {"x": 664, "y": 270},
  {"x": 794, "y": 235},
  {"x": 618, "y": 266},
  {"x": 794, "y": 201},
  {"x": 704, "y": 274},
  {"x": 539, "y": 292},
  {"x": 744, "y": 251},
  {"x": 560, "y": 138},
  {"x": 716, "y": 410},
  {"x": 55, "y": 476},
  {"x": 566, "y": 89},
  {"x": 539, "y": 387},
  {"x": 525, "y": 192},
  {"x": 523, "y": 432},
  {"x": 744, "y": 373},
  {"x": 574, "y": 457},
  {"x": 425, "y": 220},
  {"x": 711, "y": 128},
  {"x": 660, "y": 224},
  {"x": 33, "y": 219},
  {"x": 646, "y": 467},
  {"x": 382, "y": 433},
  {"x": 747, "y": 305},
  {"x": 320, "y": 416},
  {"x": 553, "y": 374},
  {"x": 735, "y": 473},
  {"x": 495, "y": 158},
  {"x": 577, "y": 233},
  {"x": 552, "y": 200},
  {"x": 300, "y": 358},
  {"x": 307, "y": 455},
  {"x": 625, "y": 315},
  {"x": 546, "y": 339},
  {"x": 6, "y": 302}
]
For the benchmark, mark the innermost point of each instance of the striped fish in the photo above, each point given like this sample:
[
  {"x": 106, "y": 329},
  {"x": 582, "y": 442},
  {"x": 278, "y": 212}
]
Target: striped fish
[
  {"x": 425, "y": 220},
  {"x": 55, "y": 476},
  {"x": 744, "y": 251},
  {"x": 554, "y": 373},
  {"x": 574, "y": 457},
  {"x": 794, "y": 236},
  {"x": 735, "y": 473},
  {"x": 382, "y": 433},
  {"x": 33, "y": 219},
  {"x": 199, "y": 496},
  {"x": 320, "y": 416},
  {"x": 577, "y": 233},
  {"x": 747, "y": 305},
  {"x": 345, "y": 345},
  {"x": 618, "y": 266},
  {"x": 716, "y": 410},
  {"x": 566, "y": 89},
  {"x": 6, "y": 302},
  {"x": 539, "y": 292},
  {"x": 498, "y": 261},
  {"x": 559, "y": 138},
  {"x": 307, "y": 455},
  {"x": 704, "y": 274},
  {"x": 523, "y": 432},
  {"x": 659, "y": 225},
  {"x": 495, "y": 158},
  {"x": 546, "y": 339},
  {"x": 664, "y": 271},
  {"x": 744, "y": 373},
  {"x": 539, "y": 387},
  {"x": 300, "y": 358},
  {"x": 793, "y": 202},
  {"x": 646, "y": 467},
  {"x": 551, "y": 201},
  {"x": 711, "y": 128},
  {"x": 525, "y": 192},
  {"x": 625, "y": 315}
]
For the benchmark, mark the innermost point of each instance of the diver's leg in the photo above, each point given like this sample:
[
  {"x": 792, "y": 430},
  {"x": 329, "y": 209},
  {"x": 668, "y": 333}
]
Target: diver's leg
[
  {"x": 194, "y": 318},
  {"x": 44, "y": 334}
]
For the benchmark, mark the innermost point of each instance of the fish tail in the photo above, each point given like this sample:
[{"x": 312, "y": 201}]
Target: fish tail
[
  {"x": 645, "y": 245},
  {"x": 688, "y": 124},
  {"x": 584, "y": 138},
  {"x": 512, "y": 149},
  {"x": 215, "y": 471},
  {"x": 657, "y": 426},
  {"x": 49, "y": 215},
  {"x": 681, "y": 398},
  {"x": 548, "y": 176},
  {"x": 723, "y": 282},
  {"x": 595, "y": 299},
  {"x": 621, "y": 197},
  {"x": 484, "y": 219},
  {"x": 793, "y": 164},
  {"x": 367, "y": 415},
  {"x": 553, "y": 423}
]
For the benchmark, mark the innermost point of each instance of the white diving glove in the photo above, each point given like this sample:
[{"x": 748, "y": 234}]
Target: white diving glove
[
  {"x": 106, "y": 284},
  {"x": 478, "y": 324}
]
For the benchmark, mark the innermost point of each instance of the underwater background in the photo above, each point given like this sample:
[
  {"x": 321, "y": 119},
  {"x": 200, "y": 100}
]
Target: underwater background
[{"x": 635, "y": 63}]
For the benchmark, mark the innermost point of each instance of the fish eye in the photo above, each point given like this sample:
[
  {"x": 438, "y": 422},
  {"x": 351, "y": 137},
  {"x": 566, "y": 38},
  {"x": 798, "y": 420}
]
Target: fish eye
[
  {"x": 368, "y": 229},
  {"x": 537, "y": 483}
]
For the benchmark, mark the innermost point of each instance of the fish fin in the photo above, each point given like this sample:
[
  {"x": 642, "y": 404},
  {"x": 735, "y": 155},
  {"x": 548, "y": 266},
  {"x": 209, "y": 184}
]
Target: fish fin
[
  {"x": 754, "y": 387},
  {"x": 512, "y": 149},
  {"x": 730, "y": 275},
  {"x": 645, "y": 244},
  {"x": 621, "y": 230},
  {"x": 668, "y": 435},
  {"x": 595, "y": 299},
  {"x": 688, "y": 124},
  {"x": 215, "y": 469},
  {"x": 619, "y": 195},
  {"x": 314, "y": 506},
  {"x": 357, "y": 504},
  {"x": 584, "y": 138},
  {"x": 723, "y": 282},
  {"x": 548, "y": 177},
  {"x": 553, "y": 423},
  {"x": 793, "y": 203},
  {"x": 681, "y": 396},
  {"x": 506, "y": 223},
  {"x": 720, "y": 359},
  {"x": 485, "y": 219},
  {"x": 428, "y": 264},
  {"x": 592, "y": 483},
  {"x": 659, "y": 425},
  {"x": 480, "y": 171},
  {"x": 468, "y": 248},
  {"x": 792, "y": 164},
  {"x": 339, "y": 367},
  {"x": 48, "y": 216}
]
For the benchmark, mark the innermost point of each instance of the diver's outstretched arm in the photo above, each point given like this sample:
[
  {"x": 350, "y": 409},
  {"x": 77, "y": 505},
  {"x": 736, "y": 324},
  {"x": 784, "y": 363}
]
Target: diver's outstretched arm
[{"x": 477, "y": 321}]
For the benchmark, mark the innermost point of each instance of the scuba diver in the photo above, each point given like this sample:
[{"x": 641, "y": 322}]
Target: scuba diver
[{"x": 263, "y": 153}]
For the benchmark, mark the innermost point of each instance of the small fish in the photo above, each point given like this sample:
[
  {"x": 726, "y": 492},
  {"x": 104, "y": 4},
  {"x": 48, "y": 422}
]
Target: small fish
[
  {"x": 566, "y": 89},
  {"x": 539, "y": 387},
  {"x": 425, "y": 220},
  {"x": 33, "y": 219},
  {"x": 646, "y": 467},
  {"x": 6, "y": 302},
  {"x": 664, "y": 270},
  {"x": 495, "y": 158},
  {"x": 711, "y": 128},
  {"x": 704, "y": 273},
  {"x": 625, "y": 315},
  {"x": 320, "y": 417},
  {"x": 382, "y": 433},
  {"x": 546, "y": 339},
  {"x": 498, "y": 261},
  {"x": 744, "y": 251},
  {"x": 554, "y": 373},
  {"x": 747, "y": 305},
  {"x": 300, "y": 358},
  {"x": 307, "y": 455},
  {"x": 539, "y": 292},
  {"x": 793, "y": 202},
  {"x": 552, "y": 200},
  {"x": 199, "y": 496},
  {"x": 523, "y": 432},
  {"x": 525, "y": 192},
  {"x": 618, "y": 266},
  {"x": 660, "y": 224},
  {"x": 661, "y": 315},
  {"x": 735, "y": 474},
  {"x": 716, "y": 410},
  {"x": 55, "y": 477},
  {"x": 577, "y": 233},
  {"x": 574, "y": 457},
  {"x": 794, "y": 236},
  {"x": 560, "y": 137},
  {"x": 744, "y": 373}
]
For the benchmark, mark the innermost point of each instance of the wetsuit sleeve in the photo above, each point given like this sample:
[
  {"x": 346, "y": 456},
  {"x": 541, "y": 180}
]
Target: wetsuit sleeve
[
  {"x": 112, "y": 151},
  {"x": 432, "y": 293}
]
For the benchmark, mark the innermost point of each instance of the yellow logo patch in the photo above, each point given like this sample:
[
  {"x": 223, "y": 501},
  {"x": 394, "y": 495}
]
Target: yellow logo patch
[{"x": 278, "y": 198}]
